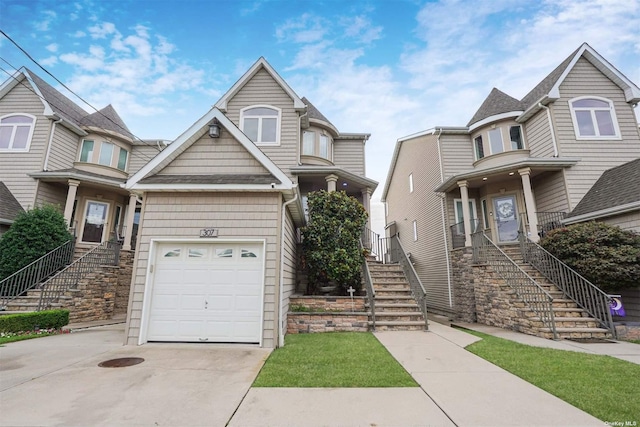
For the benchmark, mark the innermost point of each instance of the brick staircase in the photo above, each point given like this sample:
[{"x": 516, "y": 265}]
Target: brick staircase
[
  {"x": 395, "y": 307},
  {"x": 572, "y": 322}
]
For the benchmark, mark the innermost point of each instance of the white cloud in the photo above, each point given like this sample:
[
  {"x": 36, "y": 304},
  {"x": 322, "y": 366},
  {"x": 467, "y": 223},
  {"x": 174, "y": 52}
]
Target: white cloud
[
  {"x": 49, "y": 61},
  {"x": 361, "y": 28},
  {"x": 79, "y": 34},
  {"x": 102, "y": 30},
  {"x": 304, "y": 29},
  {"x": 53, "y": 47},
  {"x": 45, "y": 21}
]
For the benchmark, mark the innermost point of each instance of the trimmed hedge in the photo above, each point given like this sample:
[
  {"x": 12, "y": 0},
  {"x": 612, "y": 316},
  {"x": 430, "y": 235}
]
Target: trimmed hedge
[{"x": 47, "y": 319}]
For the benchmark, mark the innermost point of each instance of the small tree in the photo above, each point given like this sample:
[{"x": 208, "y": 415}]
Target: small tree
[
  {"x": 32, "y": 235},
  {"x": 331, "y": 240},
  {"x": 607, "y": 256}
]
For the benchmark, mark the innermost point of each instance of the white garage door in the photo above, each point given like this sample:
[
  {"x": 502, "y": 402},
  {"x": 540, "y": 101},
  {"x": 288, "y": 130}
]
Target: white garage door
[{"x": 207, "y": 292}]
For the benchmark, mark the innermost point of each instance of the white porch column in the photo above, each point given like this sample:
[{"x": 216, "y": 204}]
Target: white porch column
[
  {"x": 71, "y": 198},
  {"x": 366, "y": 202},
  {"x": 466, "y": 215},
  {"x": 128, "y": 233},
  {"x": 530, "y": 203},
  {"x": 331, "y": 182}
]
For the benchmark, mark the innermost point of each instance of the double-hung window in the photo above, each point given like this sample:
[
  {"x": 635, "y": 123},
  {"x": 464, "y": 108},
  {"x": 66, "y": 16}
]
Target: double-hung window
[
  {"x": 477, "y": 142},
  {"x": 86, "y": 152},
  {"x": 16, "y": 131},
  {"x": 594, "y": 118},
  {"x": 261, "y": 124},
  {"x": 106, "y": 153}
]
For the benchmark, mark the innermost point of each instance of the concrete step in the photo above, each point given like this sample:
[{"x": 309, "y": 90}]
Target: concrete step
[
  {"x": 399, "y": 326},
  {"x": 391, "y": 286},
  {"x": 579, "y": 333},
  {"x": 393, "y": 292},
  {"x": 398, "y": 316},
  {"x": 396, "y": 307}
]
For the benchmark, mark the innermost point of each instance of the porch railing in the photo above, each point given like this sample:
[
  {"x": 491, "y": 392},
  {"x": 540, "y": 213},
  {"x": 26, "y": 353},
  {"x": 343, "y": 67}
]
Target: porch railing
[
  {"x": 548, "y": 221},
  {"x": 108, "y": 253},
  {"x": 399, "y": 255},
  {"x": 584, "y": 293},
  {"x": 457, "y": 232},
  {"x": 31, "y": 275},
  {"x": 533, "y": 295},
  {"x": 371, "y": 293},
  {"x": 376, "y": 245}
]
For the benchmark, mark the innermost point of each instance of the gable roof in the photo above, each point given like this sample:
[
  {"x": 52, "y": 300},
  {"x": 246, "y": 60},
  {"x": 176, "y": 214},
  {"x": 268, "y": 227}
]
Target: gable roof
[
  {"x": 617, "y": 187},
  {"x": 496, "y": 103},
  {"x": 260, "y": 64},
  {"x": 139, "y": 181},
  {"x": 107, "y": 119},
  {"x": 9, "y": 206},
  {"x": 549, "y": 87}
]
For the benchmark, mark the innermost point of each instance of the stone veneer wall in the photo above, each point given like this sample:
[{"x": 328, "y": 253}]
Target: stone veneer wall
[
  {"x": 103, "y": 293},
  {"x": 497, "y": 304},
  {"x": 462, "y": 279},
  {"x": 331, "y": 314},
  {"x": 628, "y": 331}
]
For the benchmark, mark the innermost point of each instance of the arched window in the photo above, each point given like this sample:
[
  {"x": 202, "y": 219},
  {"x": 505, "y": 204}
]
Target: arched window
[
  {"x": 261, "y": 123},
  {"x": 16, "y": 131},
  {"x": 594, "y": 118}
]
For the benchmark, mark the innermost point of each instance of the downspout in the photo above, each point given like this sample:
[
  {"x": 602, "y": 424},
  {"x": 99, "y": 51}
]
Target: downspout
[
  {"x": 284, "y": 213},
  {"x": 553, "y": 132},
  {"x": 53, "y": 129},
  {"x": 444, "y": 220}
]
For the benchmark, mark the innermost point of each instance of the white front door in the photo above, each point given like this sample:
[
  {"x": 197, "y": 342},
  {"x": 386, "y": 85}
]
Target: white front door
[
  {"x": 207, "y": 292},
  {"x": 506, "y": 218}
]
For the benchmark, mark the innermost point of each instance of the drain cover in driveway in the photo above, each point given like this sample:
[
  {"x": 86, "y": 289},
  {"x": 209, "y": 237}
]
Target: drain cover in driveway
[{"x": 121, "y": 362}]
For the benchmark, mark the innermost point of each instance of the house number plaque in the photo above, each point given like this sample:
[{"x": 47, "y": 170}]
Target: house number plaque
[{"x": 209, "y": 232}]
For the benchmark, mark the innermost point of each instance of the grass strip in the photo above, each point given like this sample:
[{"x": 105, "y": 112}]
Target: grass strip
[
  {"x": 333, "y": 359},
  {"x": 602, "y": 386}
]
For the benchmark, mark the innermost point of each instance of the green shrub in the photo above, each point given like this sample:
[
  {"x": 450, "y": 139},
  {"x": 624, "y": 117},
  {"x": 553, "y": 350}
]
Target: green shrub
[
  {"x": 32, "y": 235},
  {"x": 331, "y": 240},
  {"x": 47, "y": 319},
  {"x": 607, "y": 256}
]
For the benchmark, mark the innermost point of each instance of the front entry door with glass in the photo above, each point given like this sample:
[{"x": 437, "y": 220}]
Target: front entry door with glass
[
  {"x": 506, "y": 217},
  {"x": 95, "y": 219}
]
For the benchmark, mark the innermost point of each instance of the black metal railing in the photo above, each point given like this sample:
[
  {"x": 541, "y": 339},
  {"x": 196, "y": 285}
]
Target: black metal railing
[
  {"x": 584, "y": 293},
  {"x": 108, "y": 253},
  {"x": 532, "y": 294},
  {"x": 376, "y": 245},
  {"x": 371, "y": 293},
  {"x": 457, "y": 232},
  {"x": 548, "y": 221},
  {"x": 33, "y": 274},
  {"x": 399, "y": 255}
]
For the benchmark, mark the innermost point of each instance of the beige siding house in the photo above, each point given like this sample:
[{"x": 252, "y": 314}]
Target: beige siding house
[
  {"x": 54, "y": 152},
  {"x": 216, "y": 256},
  {"x": 527, "y": 162}
]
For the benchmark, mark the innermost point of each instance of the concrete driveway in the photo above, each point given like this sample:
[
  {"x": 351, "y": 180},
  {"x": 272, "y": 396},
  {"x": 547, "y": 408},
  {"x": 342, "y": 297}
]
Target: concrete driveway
[{"x": 56, "y": 381}]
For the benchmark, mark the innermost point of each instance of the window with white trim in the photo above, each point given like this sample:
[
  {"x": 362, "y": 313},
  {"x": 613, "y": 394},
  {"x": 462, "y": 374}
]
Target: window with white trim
[
  {"x": 86, "y": 152},
  {"x": 477, "y": 142},
  {"x": 16, "y": 131},
  {"x": 308, "y": 142},
  {"x": 316, "y": 144},
  {"x": 261, "y": 124},
  {"x": 122, "y": 159},
  {"x": 515, "y": 135},
  {"x": 594, "y": 118},
  {"x": 106, "y": 154},
  {"x": 410, "y": 183},
  {"x": 495, "y": 141}
]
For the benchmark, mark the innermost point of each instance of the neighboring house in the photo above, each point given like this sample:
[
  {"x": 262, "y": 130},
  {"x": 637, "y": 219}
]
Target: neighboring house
[
  {"x": 9, "y": 208},
  {"x": 52, "y": 151},
  {"x": 216, "y": 256},
  {"x": 527, "y": 161},
  {"x": 614, "y": 199}
]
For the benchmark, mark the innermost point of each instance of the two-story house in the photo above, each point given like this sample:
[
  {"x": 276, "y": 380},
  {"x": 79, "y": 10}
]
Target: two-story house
[
  {"x": 516, "y": 163},
  {"x": 54, "y": 152},
  {"x": 222, "y": 206}
]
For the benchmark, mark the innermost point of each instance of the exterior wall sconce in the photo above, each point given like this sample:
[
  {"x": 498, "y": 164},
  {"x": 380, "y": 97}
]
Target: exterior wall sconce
[{"x": 214, "y": 129}]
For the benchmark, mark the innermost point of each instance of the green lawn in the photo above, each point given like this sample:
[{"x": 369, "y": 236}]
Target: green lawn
[
  {"x": 605, "y": 387},
  {"x": 337, "y": 359},
  {"x": 4, "y": 339}
]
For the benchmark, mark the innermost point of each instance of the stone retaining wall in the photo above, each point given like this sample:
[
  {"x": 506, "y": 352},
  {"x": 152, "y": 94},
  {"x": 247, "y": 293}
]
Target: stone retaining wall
[
  {"x": 628, "y": 331},
  {"x": 301, "y": 323},
  {"x": 125, "y": 272},
  {"x": 327, "y": 314}
]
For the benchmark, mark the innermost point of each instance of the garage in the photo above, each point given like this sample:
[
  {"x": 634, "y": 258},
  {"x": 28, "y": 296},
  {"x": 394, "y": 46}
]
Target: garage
[{"x": 206, "y": 292}]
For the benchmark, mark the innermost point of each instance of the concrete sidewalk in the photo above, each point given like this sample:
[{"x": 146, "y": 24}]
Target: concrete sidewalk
[
  {"x": 457, "y": 388},
  {"x": 618, "y": 349}
]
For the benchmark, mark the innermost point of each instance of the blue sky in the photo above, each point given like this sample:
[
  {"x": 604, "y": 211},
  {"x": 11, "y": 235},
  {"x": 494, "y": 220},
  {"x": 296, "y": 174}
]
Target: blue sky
[{"x": 389, "y": 68}]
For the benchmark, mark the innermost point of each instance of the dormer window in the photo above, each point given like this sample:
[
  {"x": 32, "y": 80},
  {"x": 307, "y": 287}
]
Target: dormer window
[
  {"x": 594, "y": 118},
  {"x": 261, "y": 124},
  {"x": 316, "y": 144},
  {"x": 106, "y": 154},
  {"x": 16, "y": 131}
]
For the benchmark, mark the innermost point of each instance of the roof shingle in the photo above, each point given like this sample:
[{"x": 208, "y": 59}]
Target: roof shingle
[
  {"x": 496, "y": 103},
  {"x": 9, "y": 206}
]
